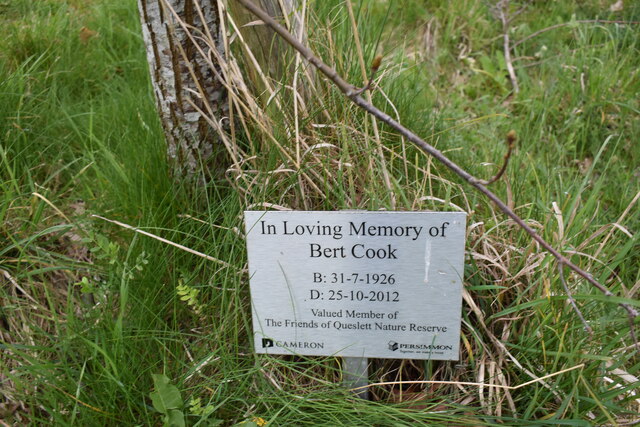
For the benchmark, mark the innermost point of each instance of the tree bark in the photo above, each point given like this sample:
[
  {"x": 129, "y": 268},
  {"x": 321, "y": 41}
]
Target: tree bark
[
  {"x": 181, "y": 74},
  {"x": 271, "y": 52}
]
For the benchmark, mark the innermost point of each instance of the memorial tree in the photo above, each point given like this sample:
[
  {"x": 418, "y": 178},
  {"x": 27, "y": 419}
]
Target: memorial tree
[{"x": 187, "y": 50}]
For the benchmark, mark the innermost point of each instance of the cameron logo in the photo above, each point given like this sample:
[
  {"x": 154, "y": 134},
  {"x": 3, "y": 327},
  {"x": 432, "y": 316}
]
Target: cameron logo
[
  {"x": 299, "y": 344},
  {"x": 393, "y": 346},
  {"x": 270, "y": 343}
]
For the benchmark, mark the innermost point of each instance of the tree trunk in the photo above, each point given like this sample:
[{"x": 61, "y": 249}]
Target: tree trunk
[
  {"x": 181, "y": 74},
  {"x": 272, "y": 53}
]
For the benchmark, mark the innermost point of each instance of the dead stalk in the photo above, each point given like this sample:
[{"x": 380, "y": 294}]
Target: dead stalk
[
  {"x": 503, "y": 12},
  {"x": 511, "y": 143},
  {"x": 351, "y": 92}
]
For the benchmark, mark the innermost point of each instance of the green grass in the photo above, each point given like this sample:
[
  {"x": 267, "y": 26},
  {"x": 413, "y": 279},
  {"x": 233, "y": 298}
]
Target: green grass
[{"x": 79, "y": 135}]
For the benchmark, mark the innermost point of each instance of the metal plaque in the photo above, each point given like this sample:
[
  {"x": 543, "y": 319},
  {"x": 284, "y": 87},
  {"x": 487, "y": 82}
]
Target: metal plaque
[{"x": 356, "y": 283}]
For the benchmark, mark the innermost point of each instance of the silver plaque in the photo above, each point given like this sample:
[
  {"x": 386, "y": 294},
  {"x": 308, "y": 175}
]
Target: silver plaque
[{"x": 356, "y": 283}]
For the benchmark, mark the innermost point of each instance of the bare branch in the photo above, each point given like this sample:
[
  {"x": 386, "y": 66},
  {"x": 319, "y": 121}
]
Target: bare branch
[
  {"x": 518, "y": 12},
  {"x": 351, "y": 92}
]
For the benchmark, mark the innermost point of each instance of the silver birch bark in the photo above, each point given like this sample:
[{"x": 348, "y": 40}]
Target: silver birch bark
[{"x": 180, "y": 74}]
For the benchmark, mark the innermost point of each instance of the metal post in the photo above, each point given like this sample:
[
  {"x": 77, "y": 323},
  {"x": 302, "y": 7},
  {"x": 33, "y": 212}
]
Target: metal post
[
  {"x": 355, "y": 373},
  {"x": 355, "y": 370}
]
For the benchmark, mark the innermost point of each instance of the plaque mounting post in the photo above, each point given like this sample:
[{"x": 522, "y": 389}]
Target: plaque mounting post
[{"x": 355, "y": 373}]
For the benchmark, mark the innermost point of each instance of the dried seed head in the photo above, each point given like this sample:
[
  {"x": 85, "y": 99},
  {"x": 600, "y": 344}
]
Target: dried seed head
[
  {"x": 376, "y": 62},
  {"x": 511, "y": 137}
]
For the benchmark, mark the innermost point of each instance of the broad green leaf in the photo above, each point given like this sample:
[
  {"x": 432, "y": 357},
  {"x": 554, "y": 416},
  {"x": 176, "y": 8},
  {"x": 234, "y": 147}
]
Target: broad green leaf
[
  {"x": 166, "y": 396},
  {"x": 175, "y": 418}
]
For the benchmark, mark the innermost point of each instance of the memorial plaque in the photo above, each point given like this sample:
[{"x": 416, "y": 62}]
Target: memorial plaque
[{"x": 356, "y": 283}]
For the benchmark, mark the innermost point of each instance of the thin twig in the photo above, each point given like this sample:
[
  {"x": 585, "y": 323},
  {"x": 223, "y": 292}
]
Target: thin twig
[
  {"x": 375, "y": 66},
  {"x": 350, "y": 91},
  {"x": 511, "y": 143},
  {"x": 567, "y": 24},
  {"x": 513, "y": 15}
]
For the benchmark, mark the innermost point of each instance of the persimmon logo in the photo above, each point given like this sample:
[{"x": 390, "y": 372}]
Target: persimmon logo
[{"x": 393, "y": 346}]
